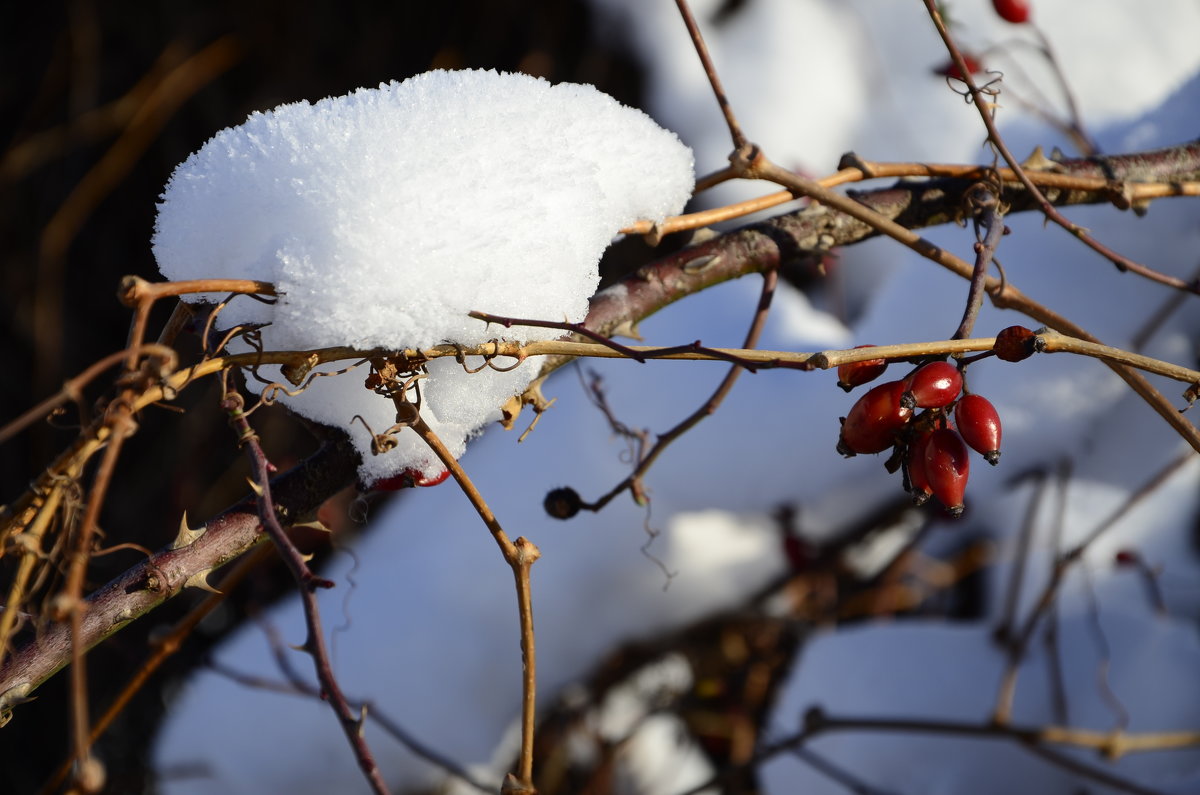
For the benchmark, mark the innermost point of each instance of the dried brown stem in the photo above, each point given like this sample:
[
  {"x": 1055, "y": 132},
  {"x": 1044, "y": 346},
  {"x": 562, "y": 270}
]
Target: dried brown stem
[
  {"x": 122, "y": 425},
  {"x": 135, "y": 290},
  {"x": 520, "y": 555},
  {"x": 735, "y": 130},
  {"x": 72, "y": 388},
  {"x": 1122, "y": 262}
]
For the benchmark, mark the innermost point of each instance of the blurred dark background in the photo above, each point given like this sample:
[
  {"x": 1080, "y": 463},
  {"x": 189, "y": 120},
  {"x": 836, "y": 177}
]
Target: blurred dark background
[{"x": 99, "y": 101}]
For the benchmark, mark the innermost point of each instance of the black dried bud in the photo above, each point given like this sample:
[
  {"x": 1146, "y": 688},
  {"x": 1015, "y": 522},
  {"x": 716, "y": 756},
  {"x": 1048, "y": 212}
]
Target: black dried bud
[{"x": 562, "y": 503}]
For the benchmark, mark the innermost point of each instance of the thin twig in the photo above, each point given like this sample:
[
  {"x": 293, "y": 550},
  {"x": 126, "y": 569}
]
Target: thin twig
[
  {"x": 314, "y": 644},
  {"x": 520, "y": 556},
  {"x": 735, "y": 130},
  {"x": 707, "y": 409},
  {"x": 1019, "y": 641},
  {"x": 1122, "y": 262},
  {"x": 298, "y": 684},
  {"x": 1123, "y": 194}
]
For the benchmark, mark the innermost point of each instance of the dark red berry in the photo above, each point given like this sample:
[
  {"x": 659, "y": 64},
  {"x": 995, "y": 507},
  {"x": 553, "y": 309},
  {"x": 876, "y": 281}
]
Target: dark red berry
[
  {"x": 1127, "y": 557},
  {"x": 933, "y": 386},
  {"x": 874, "y": 420},
  {"x": 1014, "y": 11},
  {"x": 947, "y": 465},
  {"x": 918, "y": 480},
  {"x": 562, "y": 503},
  {"x": 1014, "y": 343},
  {"x": 950, "y": 68},
  {"x": 859, "y": 373},
  {"x": 979, "y": 425}
]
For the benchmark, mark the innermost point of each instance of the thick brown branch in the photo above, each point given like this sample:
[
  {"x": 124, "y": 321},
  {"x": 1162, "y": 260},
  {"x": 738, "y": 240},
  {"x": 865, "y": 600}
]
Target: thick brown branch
[{"x": 147, "y": 585}]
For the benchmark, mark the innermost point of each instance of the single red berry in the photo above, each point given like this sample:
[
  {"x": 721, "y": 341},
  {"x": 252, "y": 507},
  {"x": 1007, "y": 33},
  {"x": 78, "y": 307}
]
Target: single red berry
[
  {"x": 873, "y": 421},
  {"x": 932, "y": 386},
  {"x": 947, "y": 465},
  {"x": 979, "y": 424},
  {"x": 914, "y": 462},
  {"x": 1014, "y": 11},
  {"x": 950, "y": 68},
  {"x": 1127, "y": 557},
  {"x": 859, "y": 373},
  {"x": 1015, "y": 343},
  {"x": 425, "y": 482},
  {"x": 407, "y": 479}
]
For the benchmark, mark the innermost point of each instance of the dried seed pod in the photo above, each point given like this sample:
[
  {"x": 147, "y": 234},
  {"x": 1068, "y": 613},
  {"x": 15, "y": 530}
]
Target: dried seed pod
[{"x": 562, "y": 503}]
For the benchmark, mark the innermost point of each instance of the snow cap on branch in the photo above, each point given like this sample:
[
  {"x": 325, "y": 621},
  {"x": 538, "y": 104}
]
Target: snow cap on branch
[{"x": 386, "y": 215}]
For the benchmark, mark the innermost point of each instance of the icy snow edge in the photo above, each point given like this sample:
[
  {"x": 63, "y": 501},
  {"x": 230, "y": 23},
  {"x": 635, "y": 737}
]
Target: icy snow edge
[{"x": 386, "y": 215}]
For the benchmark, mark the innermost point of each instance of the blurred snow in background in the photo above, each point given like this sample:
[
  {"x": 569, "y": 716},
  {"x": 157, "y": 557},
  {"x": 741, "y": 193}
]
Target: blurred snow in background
[{"x": 431, "y": 630}]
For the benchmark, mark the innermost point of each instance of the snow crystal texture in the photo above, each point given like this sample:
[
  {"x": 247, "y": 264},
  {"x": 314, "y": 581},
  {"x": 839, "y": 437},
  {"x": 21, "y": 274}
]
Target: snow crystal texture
[{"x": 385, "y": 216}]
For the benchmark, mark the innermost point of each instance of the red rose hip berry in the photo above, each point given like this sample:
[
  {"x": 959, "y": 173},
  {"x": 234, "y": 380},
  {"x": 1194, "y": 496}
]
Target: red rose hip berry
[
  {"x": 979, "y": 424},
  {"x": 1014, "y": 344},
  {"x": 947, "y": 465},
  {"x": 918, "y": 481},
  {"x": 858, "y": 373},
  {"x": 932, "y": 386},
  {"x": 409, "y": 478},
  {"x": 874, "y": 420},
  {"x": 1014, "y": 11},
  {"x": 950, "y": 68}
]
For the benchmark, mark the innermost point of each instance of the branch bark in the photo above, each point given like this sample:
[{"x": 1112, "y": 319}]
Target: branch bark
[
  {"x": 165, "y": 574},
  {"x": 803, "y": 236}
]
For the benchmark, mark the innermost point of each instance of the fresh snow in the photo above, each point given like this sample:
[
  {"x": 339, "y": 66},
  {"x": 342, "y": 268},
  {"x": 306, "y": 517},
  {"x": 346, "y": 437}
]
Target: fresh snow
[
  {"x": 432, "y": 618},
  {"x": 385, "y": 216}
]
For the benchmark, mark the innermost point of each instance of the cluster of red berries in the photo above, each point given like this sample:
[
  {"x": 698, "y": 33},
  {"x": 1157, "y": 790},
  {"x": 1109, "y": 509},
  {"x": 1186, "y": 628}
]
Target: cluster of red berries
[{"x": 928, "y": 423}]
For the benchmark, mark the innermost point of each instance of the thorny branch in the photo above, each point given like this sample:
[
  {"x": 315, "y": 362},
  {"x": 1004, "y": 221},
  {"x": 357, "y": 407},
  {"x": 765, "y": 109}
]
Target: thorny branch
[
  {"x": 985, "y": 109},
  {"x": 801, "y": 236},
  {"x": 169, "y": 570},
  {"x": 314, "y": 644}
]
